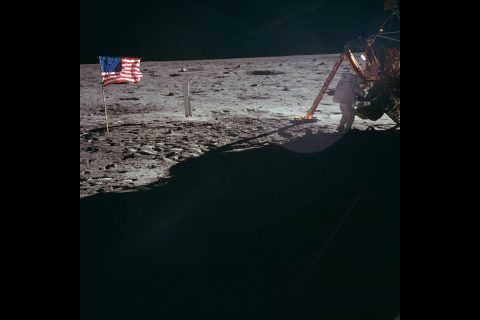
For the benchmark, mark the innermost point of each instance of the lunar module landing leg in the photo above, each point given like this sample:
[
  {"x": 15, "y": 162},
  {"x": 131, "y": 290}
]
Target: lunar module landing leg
[{"x": 347, "y": 53}]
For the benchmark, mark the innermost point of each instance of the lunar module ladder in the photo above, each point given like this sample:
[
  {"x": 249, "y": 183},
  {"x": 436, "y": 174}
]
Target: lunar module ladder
[{"x": 347, "y": 53}]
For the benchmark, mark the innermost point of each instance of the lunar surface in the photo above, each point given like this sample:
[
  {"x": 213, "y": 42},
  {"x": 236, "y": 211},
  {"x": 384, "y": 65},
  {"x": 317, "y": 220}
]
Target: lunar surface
[
  {"x": 237, "y": 212},
  {"x": 237, "y": 104}
]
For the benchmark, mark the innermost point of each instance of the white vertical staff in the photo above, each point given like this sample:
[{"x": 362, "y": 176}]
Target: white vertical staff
[
  {"x": 186, "y": 99},
  {"x": 103, "y": 93}
]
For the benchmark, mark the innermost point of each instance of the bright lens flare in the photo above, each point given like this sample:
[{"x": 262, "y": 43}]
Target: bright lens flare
[{"x": 363, "y": 57}]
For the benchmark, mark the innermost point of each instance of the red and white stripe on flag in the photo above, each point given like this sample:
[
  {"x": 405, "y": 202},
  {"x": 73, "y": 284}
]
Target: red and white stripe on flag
[{"x": 130, "y": 72}]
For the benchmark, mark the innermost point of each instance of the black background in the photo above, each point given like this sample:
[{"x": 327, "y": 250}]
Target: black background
[{"x": 209, "y": 29}]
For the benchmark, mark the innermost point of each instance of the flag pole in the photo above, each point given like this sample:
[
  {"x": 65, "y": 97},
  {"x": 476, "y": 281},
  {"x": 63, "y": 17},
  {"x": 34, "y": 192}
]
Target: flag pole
[
  {"x": 105, "y": 105},
  {"x": 103, "y": 93}
]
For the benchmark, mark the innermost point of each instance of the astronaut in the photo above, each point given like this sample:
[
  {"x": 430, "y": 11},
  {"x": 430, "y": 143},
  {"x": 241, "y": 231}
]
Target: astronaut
[{"x": 348, "y": 87}]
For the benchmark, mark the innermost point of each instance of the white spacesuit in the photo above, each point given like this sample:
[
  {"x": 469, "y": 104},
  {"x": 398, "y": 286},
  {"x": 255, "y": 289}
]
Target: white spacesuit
[{"x": 348, "y": 87}]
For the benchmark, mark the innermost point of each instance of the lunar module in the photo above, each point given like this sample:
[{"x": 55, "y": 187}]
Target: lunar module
[{"x": 380, "y": 73}]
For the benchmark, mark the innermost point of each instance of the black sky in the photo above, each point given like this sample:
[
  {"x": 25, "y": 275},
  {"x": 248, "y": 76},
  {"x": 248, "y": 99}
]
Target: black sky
[{"x": 210, "y": 29}]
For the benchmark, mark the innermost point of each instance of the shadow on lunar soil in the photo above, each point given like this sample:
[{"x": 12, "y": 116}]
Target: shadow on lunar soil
[{"x": 231, "y": 235}]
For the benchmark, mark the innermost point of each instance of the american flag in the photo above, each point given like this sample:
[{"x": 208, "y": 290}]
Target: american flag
[{"x": 120, "y": 70}]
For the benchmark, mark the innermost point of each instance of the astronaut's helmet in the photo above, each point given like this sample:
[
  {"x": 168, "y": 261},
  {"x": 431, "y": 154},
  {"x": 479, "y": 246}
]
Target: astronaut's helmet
[
  {"x": 351, "y": 77},
  {"x": 347, "y": 77}
]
